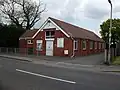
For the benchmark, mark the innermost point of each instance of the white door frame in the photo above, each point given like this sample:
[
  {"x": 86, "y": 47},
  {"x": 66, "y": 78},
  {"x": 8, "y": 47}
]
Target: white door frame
[{"x": 49, "y": 47}]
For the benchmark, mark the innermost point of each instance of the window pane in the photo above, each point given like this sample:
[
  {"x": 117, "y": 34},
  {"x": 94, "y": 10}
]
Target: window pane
[
  {"x": 84, "y": 44},
  {"x": 103, "y": 45},
  {"x": 99, "y": 45},
  {"x": 60, "y": 42},
  {"x": 39, "y": 44},
  {"x": 91, "y": 45},
  {"x": 47, "y": 33},
  {"x": 31, "y": 41},
  {"x": 52, "y": 33},
  {"x": 75, "y": 45},
  {"x": 95, "y": 45}
]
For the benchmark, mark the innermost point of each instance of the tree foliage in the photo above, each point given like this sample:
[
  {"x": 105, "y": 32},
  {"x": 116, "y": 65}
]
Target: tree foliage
[
  {"x": 9, "y": 35},
  {"x": 105, "y": 27},
  {"x": 22, "y": 13}
]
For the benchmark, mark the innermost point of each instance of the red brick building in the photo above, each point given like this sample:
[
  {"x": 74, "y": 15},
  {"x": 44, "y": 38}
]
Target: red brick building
[{"x": 58, "y": 38}]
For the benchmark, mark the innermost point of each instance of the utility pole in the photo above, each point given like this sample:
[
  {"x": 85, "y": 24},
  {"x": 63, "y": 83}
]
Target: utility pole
[{"x": 109, "y": 50}]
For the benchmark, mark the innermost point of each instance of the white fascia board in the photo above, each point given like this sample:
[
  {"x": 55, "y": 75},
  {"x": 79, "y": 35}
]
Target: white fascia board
[
  {"x": 53, "y": 24},
  {"x": 28, "y": 38},
  {"x": 25, "y": 38},
  {"x": 52, "y": 39},
  {"x": 21, "y": 38},
  {"x": 40, "y": 28},
  {"x": 59, "y": 28}
]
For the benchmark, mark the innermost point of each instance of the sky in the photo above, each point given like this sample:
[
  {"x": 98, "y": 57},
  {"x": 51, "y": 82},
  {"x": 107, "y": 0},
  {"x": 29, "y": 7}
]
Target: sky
[{"x": 88, "y": 14}]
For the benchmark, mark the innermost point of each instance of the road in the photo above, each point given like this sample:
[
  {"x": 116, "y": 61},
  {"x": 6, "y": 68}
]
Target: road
[{"x": 18, "y": 75}]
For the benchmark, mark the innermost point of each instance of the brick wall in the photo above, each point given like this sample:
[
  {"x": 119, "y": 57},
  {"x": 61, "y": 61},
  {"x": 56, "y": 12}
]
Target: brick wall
[
  {"x": 56, "y": 51},
  {"x": 68, "y": 45}
]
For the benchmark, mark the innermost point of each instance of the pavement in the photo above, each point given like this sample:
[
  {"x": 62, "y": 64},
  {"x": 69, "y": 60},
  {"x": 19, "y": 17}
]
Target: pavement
[
  {"x": 95, "y": 59},
  {"x": 21, "y": 75},
  {"x": 64, "y": 62}
]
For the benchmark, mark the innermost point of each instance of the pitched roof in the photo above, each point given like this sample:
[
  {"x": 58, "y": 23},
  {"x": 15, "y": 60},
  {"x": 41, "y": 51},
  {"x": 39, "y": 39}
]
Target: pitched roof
[
  {"x": 76, "y": 31},
  {"x": 29, "y": 34}
]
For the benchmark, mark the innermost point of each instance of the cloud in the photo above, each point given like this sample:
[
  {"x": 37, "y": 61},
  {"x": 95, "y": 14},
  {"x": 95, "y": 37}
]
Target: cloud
[
  {"x": 85, "y": 13},
  {"x": 116, "y": 9},
  {"x": 69, "y": 10},
  {"x": 95, "y": 13},
  {"x": 94, "y": 10}
]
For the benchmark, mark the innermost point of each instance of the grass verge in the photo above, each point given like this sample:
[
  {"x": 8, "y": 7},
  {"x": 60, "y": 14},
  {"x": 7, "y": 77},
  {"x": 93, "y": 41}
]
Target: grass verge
[
  {"x": 116, "y": 61},
  {"x": 117, "y": 71}
]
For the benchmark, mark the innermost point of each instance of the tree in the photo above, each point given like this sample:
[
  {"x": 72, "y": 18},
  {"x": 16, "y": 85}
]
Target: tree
[
  {"x": 22, "y": 13},
  {"x": 115, "y": 30},
  {"x": 9, "y": 35}
]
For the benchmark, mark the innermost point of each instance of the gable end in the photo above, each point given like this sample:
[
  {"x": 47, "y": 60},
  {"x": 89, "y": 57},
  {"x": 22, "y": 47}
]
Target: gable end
[{"x": 53, "y": 24}]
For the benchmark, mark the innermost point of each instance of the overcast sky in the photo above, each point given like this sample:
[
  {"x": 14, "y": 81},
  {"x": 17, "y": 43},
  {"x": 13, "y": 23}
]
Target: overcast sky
[{"x": 88, "y": 14}]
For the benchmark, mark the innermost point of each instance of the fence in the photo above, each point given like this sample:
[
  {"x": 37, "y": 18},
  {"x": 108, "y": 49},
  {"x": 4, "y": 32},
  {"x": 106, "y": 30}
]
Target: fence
[
  {"x": 21, "y": 51},
  {"x": 34, "y": 51}
]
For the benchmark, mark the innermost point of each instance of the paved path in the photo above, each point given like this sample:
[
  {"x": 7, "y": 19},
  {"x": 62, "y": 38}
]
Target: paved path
[
  {"x": 96, "y": 59},
  {"x": 94, "y": 68}
]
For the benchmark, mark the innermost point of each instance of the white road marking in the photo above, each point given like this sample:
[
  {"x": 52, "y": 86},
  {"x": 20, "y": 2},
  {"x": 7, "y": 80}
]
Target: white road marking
[{"x": 48, "y": 77}]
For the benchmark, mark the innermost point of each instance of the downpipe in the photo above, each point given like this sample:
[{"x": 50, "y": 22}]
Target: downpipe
[{"x": 73, "y": 53}]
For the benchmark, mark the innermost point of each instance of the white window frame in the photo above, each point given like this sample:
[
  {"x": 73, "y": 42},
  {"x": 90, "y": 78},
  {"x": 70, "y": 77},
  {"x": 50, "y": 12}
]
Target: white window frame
[
  {"x": 84, "y": 41},
  {"x": 41, "y": 42},
  {"x": 50, "y": 36},
  {"x": 76, "y": 44},
  {"x": 29, "y": 42},
  {"x": 60, "y": 42}
]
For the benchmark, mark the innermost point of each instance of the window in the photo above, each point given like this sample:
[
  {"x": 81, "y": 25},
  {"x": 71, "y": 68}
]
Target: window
[
  {"x": 50, "y": 34},
  {"x": 83, "y": 44},
  {"x": 99, "y": 45},
  {"x": 60, "y": 42},
  {"x": 75, "y": 45},
  {"x": 103, "y": 45},
  {"x": 29, "y": 42},
  {"x": 39, "y": 45},
  {"x": 95, "y": 45},
  {"x": 91, "y": 45}
]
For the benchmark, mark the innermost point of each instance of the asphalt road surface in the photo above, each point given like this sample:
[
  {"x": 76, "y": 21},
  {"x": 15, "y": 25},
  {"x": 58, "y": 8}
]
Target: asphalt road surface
[{"x": 18, "y": 75}]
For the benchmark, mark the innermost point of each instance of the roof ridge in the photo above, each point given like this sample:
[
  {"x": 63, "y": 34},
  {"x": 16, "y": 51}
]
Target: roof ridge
[
  {"x": 71, "y": 24},
  {"x": 76, "y": 31},
  {"x": 28, "y": 33},
  {"x": 34, "y": 29}
]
